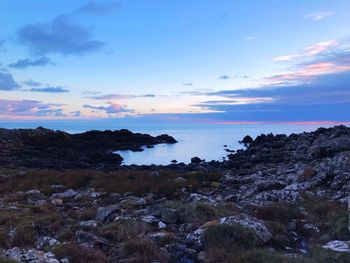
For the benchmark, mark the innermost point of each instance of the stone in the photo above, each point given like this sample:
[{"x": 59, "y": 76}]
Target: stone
[
  {"x": 338, "y": 246},
  {"x": 91, "y": 240},
  {"x": 70, "y": 193},
  {"x": 196, "y": 160},
  {"x": 57, "y": 202},
  {"x": 89, "y": 223},
  {"x": 46, "y": 241},
  {"x": 255, "y": 224},
  {"x": 104, "y": 212}
]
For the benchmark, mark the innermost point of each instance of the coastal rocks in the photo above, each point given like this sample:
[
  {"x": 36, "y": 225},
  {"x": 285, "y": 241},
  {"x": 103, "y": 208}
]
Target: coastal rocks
[{"x": 42, "y": 148}]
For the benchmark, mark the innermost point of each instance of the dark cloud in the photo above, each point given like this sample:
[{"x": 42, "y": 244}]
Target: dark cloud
[
  {"x": 50, "y": 90},
  {"x": 59, "y": 36},
  {"x": 7, "y": 82},
  {"x": 25, "y": 63},
  {"x": 224, "y": 77},
  {"x": 112, "y": 108},
  {"x": 99, "y": 8},
  {"x": 326, "y": 97},
  {"x": 122, "y": 96},
  {"x": 32, "y": 83}
]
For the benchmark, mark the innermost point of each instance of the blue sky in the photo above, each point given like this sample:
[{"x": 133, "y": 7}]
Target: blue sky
[{"x": 201, "y": 61}]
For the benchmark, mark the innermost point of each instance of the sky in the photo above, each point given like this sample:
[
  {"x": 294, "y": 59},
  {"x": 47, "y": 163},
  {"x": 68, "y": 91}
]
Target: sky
[{"x": 181, "y": 61}]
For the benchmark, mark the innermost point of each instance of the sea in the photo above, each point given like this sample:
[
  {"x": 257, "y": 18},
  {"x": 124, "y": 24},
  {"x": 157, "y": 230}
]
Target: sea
[{"x": 206, "y": 141}]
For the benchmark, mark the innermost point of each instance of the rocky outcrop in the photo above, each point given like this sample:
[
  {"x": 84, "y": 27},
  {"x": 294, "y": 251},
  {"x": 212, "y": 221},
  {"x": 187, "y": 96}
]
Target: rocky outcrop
[{"x": 44, "y": 148}]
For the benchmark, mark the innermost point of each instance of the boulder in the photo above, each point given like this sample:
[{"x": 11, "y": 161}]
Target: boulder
[
  {"x": 338, "y": 246},
  {"x": 255, "y": 224},
  {"x": 103, "y": 213}
]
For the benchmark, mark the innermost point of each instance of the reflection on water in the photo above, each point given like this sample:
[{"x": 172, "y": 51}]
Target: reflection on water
[{"x": 206, "y": 142}]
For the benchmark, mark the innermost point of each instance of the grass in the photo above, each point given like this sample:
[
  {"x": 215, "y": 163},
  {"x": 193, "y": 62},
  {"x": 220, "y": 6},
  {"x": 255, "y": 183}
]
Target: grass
[
  {"x": 138, "y": 182},
  {"x": 228, "y": 236},
  {"x": 79, "y": 254},
  {"x": 144, "y": 250},
  {"x": 123, "y": 230}
]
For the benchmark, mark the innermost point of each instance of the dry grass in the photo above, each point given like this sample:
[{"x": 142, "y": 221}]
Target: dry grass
[
  {"x": 79, "y": 254},
  {"x": 138, "y": 182}
]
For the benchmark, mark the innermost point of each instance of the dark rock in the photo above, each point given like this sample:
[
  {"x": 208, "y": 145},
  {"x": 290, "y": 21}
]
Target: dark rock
[{"x": 196, "y": 160}]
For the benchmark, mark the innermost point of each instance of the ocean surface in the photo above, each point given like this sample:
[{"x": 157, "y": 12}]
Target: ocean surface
[{"x": 204, "y": 141}]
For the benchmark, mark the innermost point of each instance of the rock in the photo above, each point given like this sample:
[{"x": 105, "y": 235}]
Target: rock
[
  {"x": 89, "y": 223},
  {"x": 338, "y": 246},
  {"x": 91, "y": 240},
  {"x": 170, "y": 215},
  {"x": 31, "y": 255},
  {"x": 196, "y": 160},
  {"x": 161, "y": 225},
  {"x": 70, "y": 193},
  {"x": 103, "y": 213},
  {"x": 46, "y": 241},
  {"x": 57, "y": 202},
  {"x": 256, "y": 225},
  {"x": 247, "y": 139}
]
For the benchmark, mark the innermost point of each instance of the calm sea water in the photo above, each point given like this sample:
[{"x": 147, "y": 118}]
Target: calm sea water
[{"x": 204, "y": 141}]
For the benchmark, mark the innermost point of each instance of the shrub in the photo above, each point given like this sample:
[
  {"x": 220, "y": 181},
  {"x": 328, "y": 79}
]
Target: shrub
[
  {"x": 320, "y": 255},
  {"x": 226, "y": 236},
  {"x": 143, "y": 248},
  {"x": 123, "y": 230},
  {"x": 79, "y": 254},
  {"x": 24, "y": 236},
  {"x": 4, "y": 239}
]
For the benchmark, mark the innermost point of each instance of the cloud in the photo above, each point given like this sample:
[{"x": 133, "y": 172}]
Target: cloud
[
  {"x": 316, "y": 16},
  {"x": 59, "y": 36},
  {"x": 309, "y": 51},
  {"x": 7, "y": 82},
  {"x": 25, "y": 63},
  {"x": 28, "y": 108},
  {"x": 224, "y": 77},
  {"x": 98, "y": 8},
  {"x": 32, "y": 83},
  {"x": 187, "y": 84},
  {"x": 50, "y": 90},
  {"x": 112, "y": 108},
  {"x": 76, "y": 113},
  {"x": 122, "y": 96}
]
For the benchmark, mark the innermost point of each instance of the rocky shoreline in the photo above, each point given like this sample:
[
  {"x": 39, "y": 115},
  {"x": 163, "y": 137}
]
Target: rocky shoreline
[
  {"x": 284, "y": 199},
  {"x": 48, "y": 149}
]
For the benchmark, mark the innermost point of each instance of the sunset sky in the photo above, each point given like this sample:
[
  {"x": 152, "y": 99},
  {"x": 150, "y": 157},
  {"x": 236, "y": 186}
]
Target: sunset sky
[{"x": 200, "y": 61}]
